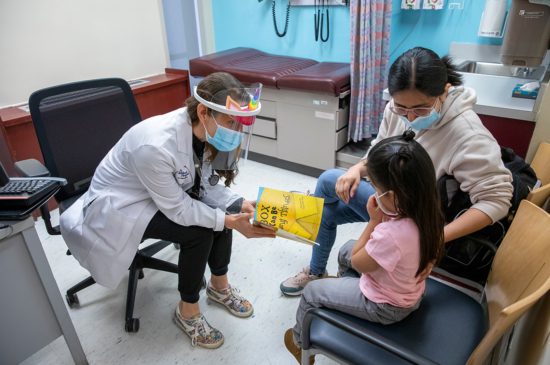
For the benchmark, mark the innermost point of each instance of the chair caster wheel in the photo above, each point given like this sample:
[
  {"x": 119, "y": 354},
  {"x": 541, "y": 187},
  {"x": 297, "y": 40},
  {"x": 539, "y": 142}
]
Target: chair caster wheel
[
  {"x": 132, "y": 325},
  {"x": 141, "y": 275},
  {"x": 72, "y": 300}
]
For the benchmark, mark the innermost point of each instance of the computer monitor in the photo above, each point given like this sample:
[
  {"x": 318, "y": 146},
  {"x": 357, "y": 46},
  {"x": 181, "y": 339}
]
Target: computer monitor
[{"x": 4, "y": 178}]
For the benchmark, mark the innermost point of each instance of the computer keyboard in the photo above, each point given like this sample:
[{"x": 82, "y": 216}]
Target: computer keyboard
[
  {"x": 26, "y": 186},
  {"x": 20, "y": 193}
]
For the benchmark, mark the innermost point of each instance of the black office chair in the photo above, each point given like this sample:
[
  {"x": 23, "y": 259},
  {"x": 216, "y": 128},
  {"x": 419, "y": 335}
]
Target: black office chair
[
  {"x": 76, "y": 125},
  {"x": 449, "y": 327}
]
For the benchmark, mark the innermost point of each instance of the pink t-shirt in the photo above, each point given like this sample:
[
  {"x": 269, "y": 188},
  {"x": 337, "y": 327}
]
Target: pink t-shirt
[{"x": 395, "y": 246}]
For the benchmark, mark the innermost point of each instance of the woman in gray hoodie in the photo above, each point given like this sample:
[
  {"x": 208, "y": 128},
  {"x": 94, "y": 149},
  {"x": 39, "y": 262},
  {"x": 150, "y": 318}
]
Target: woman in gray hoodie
[{"x": 428, "y": 97}]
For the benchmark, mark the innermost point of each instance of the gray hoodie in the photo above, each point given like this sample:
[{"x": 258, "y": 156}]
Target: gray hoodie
[{"x": 461, "y": 146}]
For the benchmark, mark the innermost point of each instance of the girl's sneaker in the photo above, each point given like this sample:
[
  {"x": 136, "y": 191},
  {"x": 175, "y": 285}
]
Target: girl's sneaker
[
  {"x": 199, "y": 330},
  {"x": 231, "y": 300}
]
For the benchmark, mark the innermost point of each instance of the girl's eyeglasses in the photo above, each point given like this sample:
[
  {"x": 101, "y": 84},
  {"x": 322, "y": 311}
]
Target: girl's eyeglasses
[{"x": 419, "y": 112}]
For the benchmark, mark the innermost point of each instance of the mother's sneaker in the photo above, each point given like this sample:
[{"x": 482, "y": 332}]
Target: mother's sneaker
[{"x": 295, "y": 285}]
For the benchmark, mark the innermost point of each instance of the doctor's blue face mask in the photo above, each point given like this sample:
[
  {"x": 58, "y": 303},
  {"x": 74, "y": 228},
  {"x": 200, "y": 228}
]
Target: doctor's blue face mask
[{"x": 224, "y": 139}]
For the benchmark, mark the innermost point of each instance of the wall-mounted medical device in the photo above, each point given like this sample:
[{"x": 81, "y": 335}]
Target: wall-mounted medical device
[
  {"x": 527, "y": 35},
  {"x": 313, "y": 2},
  {"x": 493, "y": 19}
]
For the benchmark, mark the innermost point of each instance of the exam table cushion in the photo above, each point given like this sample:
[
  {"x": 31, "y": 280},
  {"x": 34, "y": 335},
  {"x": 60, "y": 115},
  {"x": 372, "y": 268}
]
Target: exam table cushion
[{"x": 282, "y": 72}]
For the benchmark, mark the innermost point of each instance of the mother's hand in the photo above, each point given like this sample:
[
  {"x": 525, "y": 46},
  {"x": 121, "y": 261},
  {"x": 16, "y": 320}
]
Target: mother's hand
[
  {"x": 347, "y": 184},
  {"x": 241, "y": 223}
]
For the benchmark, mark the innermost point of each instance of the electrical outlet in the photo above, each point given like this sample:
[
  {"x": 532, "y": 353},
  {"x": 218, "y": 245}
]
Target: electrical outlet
[{"x": 456, "y": 4}]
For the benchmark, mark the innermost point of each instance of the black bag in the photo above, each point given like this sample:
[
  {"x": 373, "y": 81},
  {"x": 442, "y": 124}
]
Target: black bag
[
  {"x": 524, "y": 177},
  {"x": 471, "y": 256}
]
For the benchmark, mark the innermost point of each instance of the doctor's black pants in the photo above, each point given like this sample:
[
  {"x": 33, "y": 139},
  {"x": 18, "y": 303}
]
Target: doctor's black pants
[{"x": 198, "y": 246}]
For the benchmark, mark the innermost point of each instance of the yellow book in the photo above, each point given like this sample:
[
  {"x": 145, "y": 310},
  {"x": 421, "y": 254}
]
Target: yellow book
[{"x": 293, "y": 215}]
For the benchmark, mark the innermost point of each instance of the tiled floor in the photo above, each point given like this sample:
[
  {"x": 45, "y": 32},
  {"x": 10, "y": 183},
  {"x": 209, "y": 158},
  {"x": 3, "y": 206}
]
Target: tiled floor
[{"x": 257, "y": 268}]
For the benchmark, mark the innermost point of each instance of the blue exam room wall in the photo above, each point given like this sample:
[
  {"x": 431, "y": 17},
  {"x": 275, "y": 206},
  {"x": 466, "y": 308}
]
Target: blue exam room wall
[
  {"x": 248, "y": 23},
  {"x": 436, "y": 29}
]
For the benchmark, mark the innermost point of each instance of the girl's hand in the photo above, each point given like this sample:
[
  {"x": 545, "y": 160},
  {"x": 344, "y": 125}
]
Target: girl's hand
[
  {"x": 249, "y": 206},
  {"x": 425, "y": 273},
  {"x": 375, "y": 213}
]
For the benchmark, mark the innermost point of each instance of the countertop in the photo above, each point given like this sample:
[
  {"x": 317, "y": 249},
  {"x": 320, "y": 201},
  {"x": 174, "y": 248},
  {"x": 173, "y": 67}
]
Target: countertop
[{"x": 494, "y": 96}]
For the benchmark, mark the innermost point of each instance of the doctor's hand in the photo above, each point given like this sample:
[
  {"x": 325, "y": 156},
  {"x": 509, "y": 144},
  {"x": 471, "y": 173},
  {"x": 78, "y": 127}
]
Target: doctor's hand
[
  {"x": 347, "y": 184},
  {"x": 249, "y": 206},
  {"x": 241, "y": 222}
]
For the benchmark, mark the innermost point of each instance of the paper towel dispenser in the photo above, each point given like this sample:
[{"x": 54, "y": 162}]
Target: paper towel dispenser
[{"x": 527, "y": 33}]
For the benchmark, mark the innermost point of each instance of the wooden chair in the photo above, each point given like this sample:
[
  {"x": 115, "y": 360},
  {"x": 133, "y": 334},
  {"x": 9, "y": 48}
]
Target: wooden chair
[
  {"x": 541, "y": 163},
  {"x": 539, "y": 196},
  {"x": 447, "y": 328},
  {"x": 530, "y": 334}
]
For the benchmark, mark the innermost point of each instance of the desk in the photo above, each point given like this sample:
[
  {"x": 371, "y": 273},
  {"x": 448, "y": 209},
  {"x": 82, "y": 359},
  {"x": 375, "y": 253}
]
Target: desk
[{"x": 32, "y": 311}]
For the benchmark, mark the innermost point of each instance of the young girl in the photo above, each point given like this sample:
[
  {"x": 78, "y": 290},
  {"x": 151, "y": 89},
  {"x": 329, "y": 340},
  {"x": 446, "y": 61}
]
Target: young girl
[{"x": 397, "y": 249}]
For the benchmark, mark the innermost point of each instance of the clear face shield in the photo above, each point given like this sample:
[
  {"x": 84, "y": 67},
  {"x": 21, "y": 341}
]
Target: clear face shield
[{"x": 242, "y": 105}]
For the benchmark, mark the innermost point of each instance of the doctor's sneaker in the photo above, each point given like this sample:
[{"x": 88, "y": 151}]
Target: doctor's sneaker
[
  {"x": 295, "y": 285},
  {"x": 199, "y": 330},
  {"x": 231, "y": 300}
]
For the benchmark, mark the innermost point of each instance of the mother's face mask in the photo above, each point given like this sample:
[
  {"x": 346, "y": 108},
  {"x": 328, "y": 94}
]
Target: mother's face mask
[{"x": 421, "y": 121}]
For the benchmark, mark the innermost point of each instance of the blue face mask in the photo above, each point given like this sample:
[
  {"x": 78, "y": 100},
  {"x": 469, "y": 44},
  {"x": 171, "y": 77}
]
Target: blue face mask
[
  {"x": 224, "y": 139},
  {"x": 421, "y": 123}
]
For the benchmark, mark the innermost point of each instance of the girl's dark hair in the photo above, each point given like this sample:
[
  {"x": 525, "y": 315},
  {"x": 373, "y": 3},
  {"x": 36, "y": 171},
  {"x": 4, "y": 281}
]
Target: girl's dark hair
[
  {"x": 402, "y": 165},
  {"x": 422, "y": 69},
  {"x": 209, "y": 89}
]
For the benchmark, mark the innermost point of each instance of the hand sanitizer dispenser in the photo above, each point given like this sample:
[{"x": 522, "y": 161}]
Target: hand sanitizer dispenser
[{"x": 527, "y": 34}]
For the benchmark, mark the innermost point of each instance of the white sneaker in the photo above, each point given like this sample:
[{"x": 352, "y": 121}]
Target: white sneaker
[{"x": 199, "y": 330}]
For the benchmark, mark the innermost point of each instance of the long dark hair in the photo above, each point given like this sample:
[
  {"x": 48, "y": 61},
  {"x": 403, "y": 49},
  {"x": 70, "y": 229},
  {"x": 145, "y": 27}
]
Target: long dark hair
[
  {"x": 402, "y": 165},
  {"x": 209, "y": 88},
  {"x": 422, "y": 69}
]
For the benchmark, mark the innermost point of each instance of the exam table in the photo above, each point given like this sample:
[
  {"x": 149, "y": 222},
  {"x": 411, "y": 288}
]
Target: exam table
[{"x": 305, "y": 106}]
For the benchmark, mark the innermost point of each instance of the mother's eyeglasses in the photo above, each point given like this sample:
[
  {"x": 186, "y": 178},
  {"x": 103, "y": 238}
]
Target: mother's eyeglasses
[{"x": 419, "y": 112}]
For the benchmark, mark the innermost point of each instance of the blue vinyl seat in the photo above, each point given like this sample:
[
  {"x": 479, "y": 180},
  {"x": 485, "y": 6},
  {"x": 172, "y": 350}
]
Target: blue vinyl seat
[{"x": 450, "y": 327}]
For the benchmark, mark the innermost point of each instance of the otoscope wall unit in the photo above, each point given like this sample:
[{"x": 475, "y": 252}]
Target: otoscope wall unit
[{"x": 313, "y": 2}]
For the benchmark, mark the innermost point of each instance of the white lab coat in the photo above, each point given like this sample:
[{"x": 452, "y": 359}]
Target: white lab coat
[{"x": 149, "y": 169}]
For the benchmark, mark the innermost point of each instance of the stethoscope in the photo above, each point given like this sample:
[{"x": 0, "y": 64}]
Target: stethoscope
[
  {"x": 214, "y": 178},
  {"x": 195, "y": 190},
  {"x": 318, "y": 18}
]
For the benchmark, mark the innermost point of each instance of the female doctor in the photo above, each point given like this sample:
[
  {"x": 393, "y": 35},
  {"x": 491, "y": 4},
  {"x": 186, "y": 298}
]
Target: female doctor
[{"x": 161, "y": 181}]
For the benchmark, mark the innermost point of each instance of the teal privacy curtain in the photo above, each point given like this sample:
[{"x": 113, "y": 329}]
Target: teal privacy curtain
[{"x": 370, "y": 44}]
